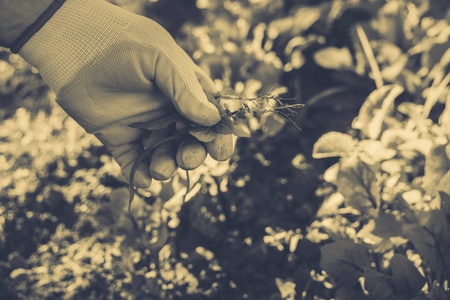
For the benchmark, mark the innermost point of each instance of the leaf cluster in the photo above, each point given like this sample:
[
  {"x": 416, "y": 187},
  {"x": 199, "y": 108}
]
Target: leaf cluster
[
  {"x": 398, "y": 208},
  {"x": 383, "y": 225},
  {"x": 385, "y": 216}
]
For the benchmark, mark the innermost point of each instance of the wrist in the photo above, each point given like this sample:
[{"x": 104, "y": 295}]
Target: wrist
[
  {"x": 16, "y": 16},
  {"x": 77, "y": 33}
]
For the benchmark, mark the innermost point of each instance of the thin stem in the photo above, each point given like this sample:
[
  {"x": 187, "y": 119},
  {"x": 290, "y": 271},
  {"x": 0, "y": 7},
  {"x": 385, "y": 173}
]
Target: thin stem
[
  {"x": 434, "y": 96},
  {"x": 259, "y": 98},
  {"x": 188, "y": 183},
  {"x": 370, "y": 56}
]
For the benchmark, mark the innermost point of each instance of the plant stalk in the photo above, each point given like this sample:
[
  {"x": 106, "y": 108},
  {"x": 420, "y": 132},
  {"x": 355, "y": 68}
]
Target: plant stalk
[
  {"x": 370, "y": 56},
  {"x": 434, "y": 96}
]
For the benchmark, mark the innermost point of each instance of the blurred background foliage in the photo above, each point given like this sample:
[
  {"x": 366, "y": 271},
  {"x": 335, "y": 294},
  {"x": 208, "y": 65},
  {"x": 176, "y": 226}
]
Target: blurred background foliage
[{"x": 273, "y": 222}]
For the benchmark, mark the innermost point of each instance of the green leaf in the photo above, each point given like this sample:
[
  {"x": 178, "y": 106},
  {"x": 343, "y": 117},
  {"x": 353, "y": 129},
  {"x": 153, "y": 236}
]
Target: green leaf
[
  {"x": 437, "y": 293},
  {"x": 387, "y": 225},
  {"x": 375, "y": 109},
  {"x": 422, "y": 146},
  {"x": 377, "y": 284},
  {"x": 376, "y": 125},
  {"x": 437, "y": 164},
  {"x": 392, "y": 166},
  {"x": 390, "y": 73},
  {"x": 394, "y": 137},
  {"x": 330, "y": 205},
  {"x": 334, "y": 58},
  {"x": 229, "y": 100},
  {"x": 382, "y": 233},
  {"x": 385, "y": 246},
  {"x": 345, "y": 261},
  {"x": 413, "y": 196},
  {"x": 286, "y": 288},
  {"x": 333, "y": 144},
  {"x": 431, "y": 239},
  {"x": 225, "y": 126},
  {"x": 444, "y": 184},
  {"x": 412, "y": 110},
  {"x": 407, "y": 279},
  {"x": 305, "y": 17},
  {"x": 374, "y": 151},
  {"x": 444, "y": 202},
  {"x": 358, "y": 182},
  {"x": 228, "y": 92},
  {"x": 444, "y": 119},
  {"x": 297, "y": 59},
  {"x": 330, "y": 174},
  {"x": 240, "y": 129},
  {"x": 273, "y": 124}
]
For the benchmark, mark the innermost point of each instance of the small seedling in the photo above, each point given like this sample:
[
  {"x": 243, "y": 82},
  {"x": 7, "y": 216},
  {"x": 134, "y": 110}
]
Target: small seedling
[{"x": 263, "y": 104}]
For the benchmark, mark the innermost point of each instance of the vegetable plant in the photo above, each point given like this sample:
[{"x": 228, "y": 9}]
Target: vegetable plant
[
  {"x": 366, "y": 218},
  {"x": 392, "y": 197}
]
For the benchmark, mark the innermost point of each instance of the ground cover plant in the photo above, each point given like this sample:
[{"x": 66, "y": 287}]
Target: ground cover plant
[{"x": 353, "y": 206}]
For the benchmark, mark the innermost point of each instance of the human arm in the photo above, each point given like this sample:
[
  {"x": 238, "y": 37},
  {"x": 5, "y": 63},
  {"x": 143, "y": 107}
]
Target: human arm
[
  {"x": 18, "y": 15},
  {"x": 111, "y": 69}
]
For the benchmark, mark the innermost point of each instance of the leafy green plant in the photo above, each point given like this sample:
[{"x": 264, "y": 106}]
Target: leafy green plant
[
  {"x": 384, "y": 218},
  {"x": 246, "y": 230},
  {"x": 392, "y": 186}
]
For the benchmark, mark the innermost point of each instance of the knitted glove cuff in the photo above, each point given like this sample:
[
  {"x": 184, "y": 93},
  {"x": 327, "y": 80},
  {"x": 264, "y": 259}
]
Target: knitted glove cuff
[
  {"x": 77, "y": 33},
  {"x": 33, "y": 28}
]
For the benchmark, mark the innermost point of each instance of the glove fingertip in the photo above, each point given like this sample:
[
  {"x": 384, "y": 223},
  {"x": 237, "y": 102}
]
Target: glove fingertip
[
  {"x": 214, "y": 115},
  {"x": 142, "y": 179},
  {"x": 221, "y": 148},
  {"x": 201, "y": 111},
  {"x": 162, "y": 166},
  {"x": 190, "y": 155}
]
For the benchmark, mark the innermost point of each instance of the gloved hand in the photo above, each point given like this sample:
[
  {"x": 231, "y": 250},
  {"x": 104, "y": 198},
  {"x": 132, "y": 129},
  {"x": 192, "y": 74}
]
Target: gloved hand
[{"x": 111, "y": 68}]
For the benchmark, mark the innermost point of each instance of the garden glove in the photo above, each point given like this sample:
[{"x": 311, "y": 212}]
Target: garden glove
[{"x": 110, "y": 68}]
